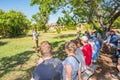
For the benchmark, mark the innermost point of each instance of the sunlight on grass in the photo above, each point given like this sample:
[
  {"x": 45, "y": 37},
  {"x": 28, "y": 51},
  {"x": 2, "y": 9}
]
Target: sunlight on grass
[{"x": 17, "y": 56}]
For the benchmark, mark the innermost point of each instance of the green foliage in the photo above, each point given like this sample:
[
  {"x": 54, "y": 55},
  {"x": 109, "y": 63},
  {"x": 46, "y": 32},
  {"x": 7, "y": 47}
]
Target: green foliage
[
  {"x": 88, "y": 27},
  {"x": 116, "y": 24},
  {"x": 58, "y": 30},
  {"x": 71, "y": 27},
  {"x": 19, "y": 58},
  {"x": 39, "y": 28},
  {"x": 64, "y": 29},
  {"x": 45, "y": 28},
  {"x": 13, "y": 23},
  {"x": 104, "y": 12}
]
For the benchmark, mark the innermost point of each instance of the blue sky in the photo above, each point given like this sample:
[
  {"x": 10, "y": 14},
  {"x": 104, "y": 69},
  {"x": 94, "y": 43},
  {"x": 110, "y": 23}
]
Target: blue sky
[{"x": 24, "y": 6}]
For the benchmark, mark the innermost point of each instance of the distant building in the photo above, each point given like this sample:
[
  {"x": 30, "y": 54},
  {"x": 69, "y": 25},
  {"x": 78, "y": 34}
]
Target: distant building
[
  {"x": 80, "y": 27},
  {"x": 53, "y": 26}
]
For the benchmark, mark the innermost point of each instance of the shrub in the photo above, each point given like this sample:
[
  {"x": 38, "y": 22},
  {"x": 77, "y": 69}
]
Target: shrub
[
  {"x": 71, "y": 27},
  {"x": 13, "y": 24},
  {"x": 58, "y": 30}
]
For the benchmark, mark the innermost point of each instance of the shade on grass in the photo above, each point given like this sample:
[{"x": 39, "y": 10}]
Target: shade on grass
[{"x": 17, "y": 56}]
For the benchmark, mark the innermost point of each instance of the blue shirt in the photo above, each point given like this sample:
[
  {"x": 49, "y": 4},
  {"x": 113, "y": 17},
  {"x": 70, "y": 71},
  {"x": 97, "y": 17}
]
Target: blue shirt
[
  {"x": 44, "y": 71},
  {"x": 114, "y": 39},
  {"x": 97, "y": 43}
]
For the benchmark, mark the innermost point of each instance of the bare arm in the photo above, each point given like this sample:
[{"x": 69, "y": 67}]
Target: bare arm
[
  {"x": 79, "y": 72},
  {"x": 68, "y": 70},
  {"x": 32, "y": 79}
]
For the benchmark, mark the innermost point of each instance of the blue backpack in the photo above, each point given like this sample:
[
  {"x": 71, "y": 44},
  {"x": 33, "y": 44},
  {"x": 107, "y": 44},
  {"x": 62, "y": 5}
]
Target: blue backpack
[{"x": 50, "y": 69}]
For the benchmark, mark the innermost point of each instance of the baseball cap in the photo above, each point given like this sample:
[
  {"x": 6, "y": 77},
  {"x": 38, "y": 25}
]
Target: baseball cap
[{"x": 112, "y": 31}]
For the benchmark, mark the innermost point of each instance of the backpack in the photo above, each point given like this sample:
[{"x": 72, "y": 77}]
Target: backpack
[{"x": 49, "y": 70}]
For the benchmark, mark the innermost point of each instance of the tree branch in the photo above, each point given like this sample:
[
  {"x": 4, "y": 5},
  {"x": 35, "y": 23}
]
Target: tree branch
[
  {"x": 114, "y": 17},
  {"x": 115, "y": 9}
]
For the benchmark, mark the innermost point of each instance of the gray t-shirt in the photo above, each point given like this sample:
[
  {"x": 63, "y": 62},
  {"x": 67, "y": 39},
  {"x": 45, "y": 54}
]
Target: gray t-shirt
[
  {"x": 81, "y": 58},
  {"x": 71, "y": 61}
]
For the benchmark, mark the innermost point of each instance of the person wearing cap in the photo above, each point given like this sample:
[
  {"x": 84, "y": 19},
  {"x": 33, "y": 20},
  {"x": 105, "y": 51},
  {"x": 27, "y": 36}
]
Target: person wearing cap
[
  {"x": 113, "y": 39},
  {"x": 87, "y": 50}
]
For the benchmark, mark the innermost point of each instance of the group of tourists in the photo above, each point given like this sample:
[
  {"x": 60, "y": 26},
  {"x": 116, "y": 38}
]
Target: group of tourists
[
  {"x": 82, "y": 53},
  {"x": 112, "y": 42}
]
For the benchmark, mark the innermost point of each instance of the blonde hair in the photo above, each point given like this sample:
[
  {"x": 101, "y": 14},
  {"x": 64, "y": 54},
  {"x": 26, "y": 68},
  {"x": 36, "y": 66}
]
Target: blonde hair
[
  {"x": 85, "y": 39},
  {"x": 71, "y": 46},
  {"x": 45, "y": 48}
]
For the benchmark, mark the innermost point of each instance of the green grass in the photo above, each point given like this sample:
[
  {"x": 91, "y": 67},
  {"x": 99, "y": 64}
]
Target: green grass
[{"x": 17, "y": 57}]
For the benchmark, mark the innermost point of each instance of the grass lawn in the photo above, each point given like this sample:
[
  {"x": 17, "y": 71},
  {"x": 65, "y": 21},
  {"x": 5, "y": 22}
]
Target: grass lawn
[{"x": 17, "y": 56}]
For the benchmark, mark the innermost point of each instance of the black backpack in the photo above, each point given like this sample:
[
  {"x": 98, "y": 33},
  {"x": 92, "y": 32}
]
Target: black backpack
[{"x": 49, "y": 70}]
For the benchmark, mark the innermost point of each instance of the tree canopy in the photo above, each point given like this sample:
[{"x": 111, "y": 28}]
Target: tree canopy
[
  {"x": 13, "y": 23},
  {"x": 102, "y": 12}
]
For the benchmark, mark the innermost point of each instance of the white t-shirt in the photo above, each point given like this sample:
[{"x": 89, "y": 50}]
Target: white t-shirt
[{"x": 35, "y": 35}]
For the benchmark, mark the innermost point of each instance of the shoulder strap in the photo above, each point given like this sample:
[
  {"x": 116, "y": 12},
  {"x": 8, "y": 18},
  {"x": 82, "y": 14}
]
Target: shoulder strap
[
  {"x": 76, "y": 59},
  {"x": 79, "y": 68}
]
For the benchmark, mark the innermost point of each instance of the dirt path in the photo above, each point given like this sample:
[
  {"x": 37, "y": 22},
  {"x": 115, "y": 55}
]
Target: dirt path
[{"x": 106, "y": 68}]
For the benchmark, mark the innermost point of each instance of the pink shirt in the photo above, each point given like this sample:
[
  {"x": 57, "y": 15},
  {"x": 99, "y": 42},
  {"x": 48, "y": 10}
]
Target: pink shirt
[{"x": 87, "y": 51}]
